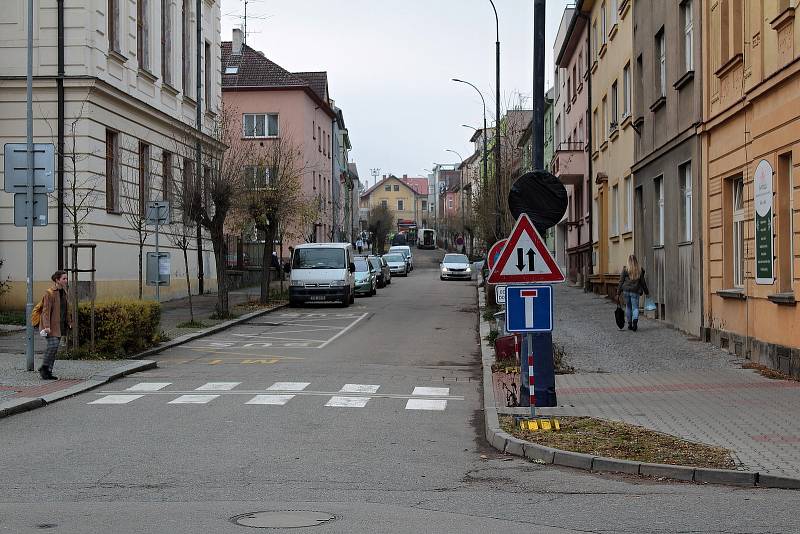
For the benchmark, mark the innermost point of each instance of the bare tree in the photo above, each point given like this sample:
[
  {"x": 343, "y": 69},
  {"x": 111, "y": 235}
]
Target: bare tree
[
  {"x": 133, "y": 204},
  {"x": 180, "y": 230},
  {"x": 274, "y": 197},
  {"x": 379, "y": 223}
]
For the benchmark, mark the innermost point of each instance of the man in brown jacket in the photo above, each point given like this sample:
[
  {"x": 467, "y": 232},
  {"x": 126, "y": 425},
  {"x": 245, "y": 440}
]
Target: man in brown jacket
[{"x": 56, "y": 320}]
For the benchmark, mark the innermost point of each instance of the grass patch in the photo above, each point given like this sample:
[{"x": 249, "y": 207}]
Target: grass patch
[
  {"x": 768, "y": 372},
  {"x": 560, "y": 362},
  {"x": 492, "y": 337},
  {"x": 488, "y": 313},
  {"x": 624, "y": 441},
  {"x": 191, "y": 324},
  {"x": 12, "y": 317}
]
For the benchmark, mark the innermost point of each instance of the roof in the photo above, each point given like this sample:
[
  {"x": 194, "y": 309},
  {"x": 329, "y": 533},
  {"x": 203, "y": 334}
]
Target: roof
[
  {"x": 369, "y": 191},
  {"x": 470, "y": 159},
  {"x": 255, "y": 71},
  {"x": 353, "y": 169},
  {"x": 478, "y": 132},
  {"x": 418, "y": 184}
]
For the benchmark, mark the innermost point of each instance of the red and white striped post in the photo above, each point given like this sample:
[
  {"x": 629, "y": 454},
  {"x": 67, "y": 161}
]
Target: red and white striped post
[{"x": 531, "y": 390}]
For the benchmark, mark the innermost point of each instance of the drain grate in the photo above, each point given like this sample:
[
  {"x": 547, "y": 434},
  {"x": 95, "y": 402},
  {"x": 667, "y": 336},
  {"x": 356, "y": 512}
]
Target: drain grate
[{"x": 283, "y": 519}]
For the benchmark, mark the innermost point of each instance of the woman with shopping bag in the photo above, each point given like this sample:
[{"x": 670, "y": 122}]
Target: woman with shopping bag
[{"x": 632, "y": 284}]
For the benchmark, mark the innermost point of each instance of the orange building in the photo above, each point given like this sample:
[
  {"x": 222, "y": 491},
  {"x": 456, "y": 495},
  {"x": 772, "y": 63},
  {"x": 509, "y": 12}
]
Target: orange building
[{"x": 750, "y": 132}]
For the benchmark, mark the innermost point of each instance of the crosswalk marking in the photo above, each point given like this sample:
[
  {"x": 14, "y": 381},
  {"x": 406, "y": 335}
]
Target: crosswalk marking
[
  {"x": 288, "y": 386},
  {"x": 275, "y": 400},
  {"x": 116, "y": 399},
  {"x": 148, "y": 386},
  {"x": 193, "y": 399},
  {"x": 428, "y": 404},
  {"x": 218, "y": 386},
  {"x": 349, "y": 401}
]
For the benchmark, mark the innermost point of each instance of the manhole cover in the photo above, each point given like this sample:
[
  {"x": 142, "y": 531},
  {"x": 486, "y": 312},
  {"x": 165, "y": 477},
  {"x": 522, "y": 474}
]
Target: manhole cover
[{"x": 283, "y": 519}]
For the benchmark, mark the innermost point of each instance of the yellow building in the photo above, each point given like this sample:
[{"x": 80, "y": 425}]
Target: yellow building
[
  {"x": 407, "y": 207},
  {"x": 611, "y": 44},
  {"x": 751, "y": 130}
]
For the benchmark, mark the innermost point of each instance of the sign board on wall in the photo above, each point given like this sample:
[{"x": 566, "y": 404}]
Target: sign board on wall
[{"x": 762, "y": 185}]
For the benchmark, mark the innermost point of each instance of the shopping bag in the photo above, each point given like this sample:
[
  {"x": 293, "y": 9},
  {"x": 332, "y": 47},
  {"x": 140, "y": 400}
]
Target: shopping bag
[
  {"x": 649, "y": 304},
  {"x": 619, "y": 317}
]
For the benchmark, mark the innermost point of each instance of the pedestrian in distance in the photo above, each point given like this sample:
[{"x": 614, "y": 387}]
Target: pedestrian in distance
[
  {"x": 632, "y": 284},
  {"x": 54, "y": 322},
  {"x": 360, "y": 245}
]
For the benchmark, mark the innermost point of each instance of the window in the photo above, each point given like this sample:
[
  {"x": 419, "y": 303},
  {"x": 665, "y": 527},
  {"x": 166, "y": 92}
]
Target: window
[
  {"x": 615, "y": 210},
  {"x": 639, "y": 86},
  {"x": 384, "y": 203},
  {"x": 260, "y": 125},
  {"x": 580, "y": 62},
  {"x": 785, "y": 229},
  {"x": 688, "y": 35},
  {"x": 597, "y": 215},
  {"x": 450, "y": 203},
  {"x": 166, "y": 42},
  {"x": 142, "y": 34},
  {"x": 314, "y": 129},
  {"x": 628, "y": 204},
  {"x": 614, "y": 110},
  {"x": 626, "y": 90},
  {"x": 595, "y": 136},
  {"x": 112, "y": 172},
  {"x": 603, "y": 28},
  {"x": 208, "y": 72},
  {"x": 661, "y": 63},
  {"x": 232, "y": 70},
  {"x": 387, "y": 188},
  {"x": 319, "y": 138},
  {"x": 613, "y": 11},
  {"x": 685, "y": 184},
  {"x": 396, "y": 188},
  {"x": 144, "y": 177},
  {"x": 400, "y": 205},
  {"x": 186, "y": 50},
  {"x": 424, "y": 205},
  {"x": 188, "y": 185},
  {"x": 737, "y": 186},
  {"x": 256, "y": 177},
  {"x": 595, "y": 46},
  {"x": 604, "y": 124},
  {"x": 658, "y": 212},
  {"x": 166, "y": 175},
  {"x": 113, "y": 25}
]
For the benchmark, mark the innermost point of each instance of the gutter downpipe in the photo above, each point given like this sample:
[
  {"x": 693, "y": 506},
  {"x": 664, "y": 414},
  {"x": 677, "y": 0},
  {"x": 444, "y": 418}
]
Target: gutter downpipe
[
  {"x": 586, "y": 285},
  {"x": 334, "y": 180},
  {"x": 60, "y": 134}
]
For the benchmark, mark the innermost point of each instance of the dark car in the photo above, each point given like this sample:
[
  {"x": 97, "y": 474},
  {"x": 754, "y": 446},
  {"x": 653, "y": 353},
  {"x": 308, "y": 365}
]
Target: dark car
[{"x": 384, "y": 274}]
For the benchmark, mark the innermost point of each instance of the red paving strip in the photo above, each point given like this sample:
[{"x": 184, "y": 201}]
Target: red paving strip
[
  {"x": 44, "y": 389},
  {"x": 7, "y": 388},
  {"x": 656, "y": 388}
]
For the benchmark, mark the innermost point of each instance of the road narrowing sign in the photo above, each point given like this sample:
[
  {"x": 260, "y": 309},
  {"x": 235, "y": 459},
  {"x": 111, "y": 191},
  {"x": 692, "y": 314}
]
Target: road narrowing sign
[{"x": 525, "y": 258}]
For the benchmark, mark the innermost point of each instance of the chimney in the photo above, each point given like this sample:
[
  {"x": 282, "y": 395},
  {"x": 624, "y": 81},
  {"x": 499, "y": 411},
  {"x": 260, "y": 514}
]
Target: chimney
[
  {"x": 236, "y": 44},
  {"x": 405, "y": 176},
  {"x": 384, "y": 177}
]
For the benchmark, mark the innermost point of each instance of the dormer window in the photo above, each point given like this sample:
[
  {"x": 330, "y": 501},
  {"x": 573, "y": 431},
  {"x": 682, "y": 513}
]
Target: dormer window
[{"x": 231, "y": 70}]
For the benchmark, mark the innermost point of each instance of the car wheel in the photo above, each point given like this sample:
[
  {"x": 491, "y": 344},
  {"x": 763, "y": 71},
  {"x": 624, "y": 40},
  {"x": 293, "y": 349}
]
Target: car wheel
[{"x": 441, "y": 278}]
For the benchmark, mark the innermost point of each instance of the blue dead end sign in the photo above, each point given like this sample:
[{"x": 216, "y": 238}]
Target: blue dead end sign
[{"x": 529, "y": 308}]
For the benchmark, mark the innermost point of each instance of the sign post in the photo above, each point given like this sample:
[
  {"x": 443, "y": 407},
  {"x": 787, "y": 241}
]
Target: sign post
[
  {"x": 158, "y": 214},
  {"x": 762, "y": 182}
]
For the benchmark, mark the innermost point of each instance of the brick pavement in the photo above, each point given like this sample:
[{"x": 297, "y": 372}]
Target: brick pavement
[{"x": 662, "y": 379}]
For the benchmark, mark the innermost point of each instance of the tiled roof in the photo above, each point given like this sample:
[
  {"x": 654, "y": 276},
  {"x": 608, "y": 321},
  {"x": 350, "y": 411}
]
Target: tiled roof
[
  {"x": 255, "y": 70},
  {"x": 419, "y": 185},
  {"x": 317, "y": 80},
  {"x": 382, "y": 182}
]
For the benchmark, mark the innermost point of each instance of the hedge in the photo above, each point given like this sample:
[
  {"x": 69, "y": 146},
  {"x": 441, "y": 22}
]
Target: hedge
[{"x": 122, "y": 327}]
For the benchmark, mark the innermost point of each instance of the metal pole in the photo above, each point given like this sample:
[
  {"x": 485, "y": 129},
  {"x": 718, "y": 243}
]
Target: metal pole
[
  {"x": 198, "y": 147},
  {"x": 497, "y": 137},
  {"x": 158, "y": 258},
  {"x": 538, "y": 84},
  {"x": 29, "y": 196}
]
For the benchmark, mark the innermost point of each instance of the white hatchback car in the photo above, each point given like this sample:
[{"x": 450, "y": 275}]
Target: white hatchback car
[
  {"x": 405, "y": 250},
  {"x": 456, "y": 267}
]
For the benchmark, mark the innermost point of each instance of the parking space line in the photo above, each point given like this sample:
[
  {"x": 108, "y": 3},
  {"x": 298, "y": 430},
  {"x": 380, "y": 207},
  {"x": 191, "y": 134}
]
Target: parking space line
[{"x": 348, "y": 327}]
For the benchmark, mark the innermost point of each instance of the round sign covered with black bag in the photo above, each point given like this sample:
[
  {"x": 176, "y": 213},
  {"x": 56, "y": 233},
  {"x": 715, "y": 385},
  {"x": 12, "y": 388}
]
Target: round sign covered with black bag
[{"x": 541, "y": 196}]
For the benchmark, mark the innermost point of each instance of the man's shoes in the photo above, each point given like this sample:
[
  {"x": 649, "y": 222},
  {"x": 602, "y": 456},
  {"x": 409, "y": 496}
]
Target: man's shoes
[
  {"x": 635, "y": 325},
  {"x": 630, "y": 326},
  {"x": 46, "y": 373}
]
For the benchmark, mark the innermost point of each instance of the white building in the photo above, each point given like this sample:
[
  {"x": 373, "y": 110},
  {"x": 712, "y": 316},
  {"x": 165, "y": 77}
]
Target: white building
[{"x": 130, "y": 100}]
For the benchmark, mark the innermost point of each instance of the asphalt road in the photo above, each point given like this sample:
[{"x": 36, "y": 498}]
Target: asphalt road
[{"x": 371, "y": 414}]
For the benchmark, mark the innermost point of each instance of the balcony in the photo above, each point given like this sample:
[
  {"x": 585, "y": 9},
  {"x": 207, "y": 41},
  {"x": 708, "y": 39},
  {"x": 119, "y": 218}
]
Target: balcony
[{"x": 570, "y": 162}]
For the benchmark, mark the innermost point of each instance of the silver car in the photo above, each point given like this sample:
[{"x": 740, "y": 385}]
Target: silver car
[
  {"x": 455, "y": 267},
  {"x": 397, "y": 264}
]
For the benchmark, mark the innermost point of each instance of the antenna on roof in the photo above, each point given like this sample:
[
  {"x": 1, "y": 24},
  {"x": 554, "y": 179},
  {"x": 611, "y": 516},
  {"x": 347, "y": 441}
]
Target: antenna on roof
[
  {"x": 375, "y": 172},
  {"x": 243, "y": 18}
]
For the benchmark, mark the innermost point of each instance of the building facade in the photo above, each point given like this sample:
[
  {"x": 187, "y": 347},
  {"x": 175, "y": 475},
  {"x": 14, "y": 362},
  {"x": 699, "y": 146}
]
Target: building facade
[
  {"x": 129, "y": 108},
  {"x": 570, "y": 161},
  {"x": 667, "y": 111},
  {"x": 397, "y": 196},
  {"x": 750, "y": 132}
]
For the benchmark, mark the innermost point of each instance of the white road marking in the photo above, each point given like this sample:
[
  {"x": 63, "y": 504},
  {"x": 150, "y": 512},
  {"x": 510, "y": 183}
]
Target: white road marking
[
  {"x": 116, "y": 399},
  {"x": 426, "y": 404},
  {"x": 348, "y": 327},
  {"x": 431, "y": 392},
  {"x": 193, "y": 399},
  {"x": 349, "y": 401},
  {"x": 218, "y": 386},
  {"x": 276, "y": 400},
  {"x": 149, "y": 386},
  {"x": 288, "y": 386}
]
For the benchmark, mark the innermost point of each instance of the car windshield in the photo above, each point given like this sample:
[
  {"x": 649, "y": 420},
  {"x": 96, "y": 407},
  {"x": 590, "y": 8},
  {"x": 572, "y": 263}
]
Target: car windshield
[
  {"x": 318, "y": 258},
  {"x": 404, "y": 252},
  {"x": 376, "y": 262},
  {"x": 455, "y": 258},
  {"x": 361, "y": 265},
  {"x": 394, "y": 258}
]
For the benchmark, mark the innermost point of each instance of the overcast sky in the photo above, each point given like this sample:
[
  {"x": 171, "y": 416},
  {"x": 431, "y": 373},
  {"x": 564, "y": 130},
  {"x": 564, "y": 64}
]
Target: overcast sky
[{"x": 390, "y": 66}]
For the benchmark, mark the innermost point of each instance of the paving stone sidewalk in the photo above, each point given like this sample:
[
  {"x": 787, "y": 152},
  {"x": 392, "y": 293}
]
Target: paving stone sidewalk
[{"x": 665, "y": 380}]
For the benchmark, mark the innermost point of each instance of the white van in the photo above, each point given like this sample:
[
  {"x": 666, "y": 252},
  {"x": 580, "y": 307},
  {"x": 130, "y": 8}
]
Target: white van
[
  {"x": 405, "y": 250},
  {"x": 322, "y": 272}
]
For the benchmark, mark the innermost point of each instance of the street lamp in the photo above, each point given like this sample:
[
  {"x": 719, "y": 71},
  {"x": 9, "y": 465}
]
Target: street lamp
[
  {"x": 461, "y": 189},
  {"x": 485, "y": 173},
  {"x": 497, "y": 137}
]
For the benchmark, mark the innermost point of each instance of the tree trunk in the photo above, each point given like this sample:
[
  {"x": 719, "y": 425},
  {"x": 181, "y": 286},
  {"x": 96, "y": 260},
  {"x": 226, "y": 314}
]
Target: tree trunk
[
  {"x": 217, "y": 240},
  {"x": 266, "y": 267},
  {"x": 141, "y": 247},
  {"x": 188, "y": 283}
]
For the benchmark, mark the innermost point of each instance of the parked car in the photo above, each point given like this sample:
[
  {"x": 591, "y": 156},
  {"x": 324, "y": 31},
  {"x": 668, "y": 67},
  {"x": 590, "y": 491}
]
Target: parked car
[
  {"x": 366, "y": 277},
  {"x": 397, "y": 263},
  {"x": 455, "y": 266},
  {"x": 406, "y": 251},
  {"x": 322, "y": 272},
  {"x": 384, "y": 274}
]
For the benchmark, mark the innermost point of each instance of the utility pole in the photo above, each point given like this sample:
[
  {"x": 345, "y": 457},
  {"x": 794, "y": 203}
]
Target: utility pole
[
  {"x": 537, "y": 135},
  {"x": 497, "y": 136},
  {"x": 29, "y": 195}
]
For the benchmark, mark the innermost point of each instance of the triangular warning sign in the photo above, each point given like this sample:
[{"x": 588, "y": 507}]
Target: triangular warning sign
[{"x": 525, "y": 258}]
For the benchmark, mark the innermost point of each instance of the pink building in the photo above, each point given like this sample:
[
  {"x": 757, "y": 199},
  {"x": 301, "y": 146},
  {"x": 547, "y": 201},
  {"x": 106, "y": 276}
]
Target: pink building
[
  {"x": 571, "y": 141},
  {"x": 271, "y": 102}
]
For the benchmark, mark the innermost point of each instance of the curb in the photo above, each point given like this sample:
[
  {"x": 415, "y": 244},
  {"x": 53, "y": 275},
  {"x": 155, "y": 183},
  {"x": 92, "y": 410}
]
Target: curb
[
  {"x": 508, "y": 444},
  {"x": 24, "y": 404},
  {"x": 180, "y": 340}
]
